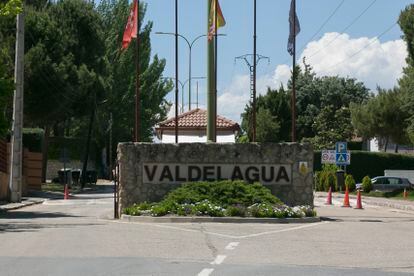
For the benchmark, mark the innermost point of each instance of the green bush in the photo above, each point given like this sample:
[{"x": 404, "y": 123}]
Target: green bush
[
  {"x": 367, "y": 184},
  {"x": 330, "y": 181},
  {"x": 236, "y": 211},
  {"x": 350, "y": 182},
  {"x": 224, "y": 193},
  {"x": 326, "y": 178}
]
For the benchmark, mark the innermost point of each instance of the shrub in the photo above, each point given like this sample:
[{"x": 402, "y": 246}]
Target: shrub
[
  {"x": 217, "y": 199},
  {"x": 330, "y": 181},
  {"x": 261, "y": 210},
  {"x": 224, "y": 193},
  {"x": 236, "y": 211},
  {"x": 326, "y": 178},
  {"x": 366, "y": 184},
  {"x": 350, "y": 182}
]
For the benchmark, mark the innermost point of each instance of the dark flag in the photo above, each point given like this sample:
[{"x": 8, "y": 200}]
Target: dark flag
[{"x": 294, "y": 27}]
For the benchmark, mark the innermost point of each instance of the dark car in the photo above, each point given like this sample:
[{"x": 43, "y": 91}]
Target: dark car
[{"x": 388, "y": 183}]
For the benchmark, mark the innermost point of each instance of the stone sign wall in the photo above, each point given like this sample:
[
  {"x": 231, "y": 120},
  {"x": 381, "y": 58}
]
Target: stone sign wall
[{"x": 147, "y": 172}]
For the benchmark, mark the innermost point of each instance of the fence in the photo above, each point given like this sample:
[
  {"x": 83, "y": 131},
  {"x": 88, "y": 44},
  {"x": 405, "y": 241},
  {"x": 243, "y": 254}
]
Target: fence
[{"x": 32, "y": 170}]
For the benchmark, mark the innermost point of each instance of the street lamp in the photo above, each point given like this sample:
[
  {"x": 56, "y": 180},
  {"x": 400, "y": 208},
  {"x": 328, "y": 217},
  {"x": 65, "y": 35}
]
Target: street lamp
[
  {"x": 182, "y": 84},
  {"x": 190, "y": 47}
]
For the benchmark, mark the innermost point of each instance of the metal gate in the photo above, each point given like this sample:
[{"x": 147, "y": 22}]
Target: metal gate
[{"x": 116, "y": 191}]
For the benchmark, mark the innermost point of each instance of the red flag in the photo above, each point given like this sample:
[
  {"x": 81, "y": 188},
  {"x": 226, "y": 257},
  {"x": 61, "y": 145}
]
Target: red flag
[{"x": 131, "y": 26}]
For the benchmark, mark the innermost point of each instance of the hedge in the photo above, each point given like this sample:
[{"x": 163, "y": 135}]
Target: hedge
[
  {"x": 33, "y": 139},
  {"x": 371, "y": 163}
]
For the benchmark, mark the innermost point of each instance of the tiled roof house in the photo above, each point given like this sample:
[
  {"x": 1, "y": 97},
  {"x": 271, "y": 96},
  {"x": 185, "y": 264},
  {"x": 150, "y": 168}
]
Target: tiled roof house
[{"x": 192, "y": 128}]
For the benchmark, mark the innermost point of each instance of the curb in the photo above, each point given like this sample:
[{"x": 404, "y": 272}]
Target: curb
[
  {"x": 148, "y": 219},
  {"x": 371, "y": 201},
  {"x": 14, "y": 206}
]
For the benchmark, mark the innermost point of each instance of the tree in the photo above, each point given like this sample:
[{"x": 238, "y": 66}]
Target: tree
[
  {"x": 121, "y": 90},
  {"x": 273, "y": 117},
  {"x": 11, "y": 8},
  {"x": 382, "y": 117},
  {"x": 322, "y": 104},
  {"x": 406, "y": 22},
  {"x": 65, "y": 64}
]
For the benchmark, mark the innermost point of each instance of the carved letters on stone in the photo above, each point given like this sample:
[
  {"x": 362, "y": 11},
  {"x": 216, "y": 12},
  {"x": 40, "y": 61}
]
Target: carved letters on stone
[{"x": 267, "y": 174}]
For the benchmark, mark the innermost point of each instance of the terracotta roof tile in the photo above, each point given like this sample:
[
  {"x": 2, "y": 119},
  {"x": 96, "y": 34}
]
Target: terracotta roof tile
[{"x": 196, "y": 119}]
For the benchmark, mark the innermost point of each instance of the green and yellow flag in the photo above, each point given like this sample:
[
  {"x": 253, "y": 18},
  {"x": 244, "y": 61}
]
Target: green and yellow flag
[{"x": 212, "y": 19}]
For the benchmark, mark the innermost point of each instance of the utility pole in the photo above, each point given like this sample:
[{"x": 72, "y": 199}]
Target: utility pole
[
  {"x": 176, "y": 72},
  {"x": 111, "y": 163},
  {"x": 15, "y": 184},
  {"x": 254, "y": 72},
  {"x": 252, "y": 61}
]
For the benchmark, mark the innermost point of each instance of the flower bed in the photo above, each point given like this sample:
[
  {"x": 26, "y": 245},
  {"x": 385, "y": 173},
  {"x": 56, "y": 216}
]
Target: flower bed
[{"x": 220, "y": 199}]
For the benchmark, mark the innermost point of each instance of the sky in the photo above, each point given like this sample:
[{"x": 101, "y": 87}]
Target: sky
[{"x": 349, "y": 38}]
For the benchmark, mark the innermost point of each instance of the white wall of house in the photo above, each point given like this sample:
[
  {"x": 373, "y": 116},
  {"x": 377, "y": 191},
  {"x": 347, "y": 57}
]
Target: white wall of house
[{"x": 197, "y": 137}]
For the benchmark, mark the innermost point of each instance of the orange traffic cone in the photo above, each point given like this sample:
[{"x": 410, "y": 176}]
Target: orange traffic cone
[
  {"x": 66, "y": 193},
  {"x": 346, "y": 198},
  {"x": 329, "y": 198},
  {"x": 359, "y": 201},
  {"x": 405, "y": 194}
]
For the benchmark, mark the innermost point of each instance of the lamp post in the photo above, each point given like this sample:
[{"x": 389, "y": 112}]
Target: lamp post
[
  {"x": 190, "y": 45},
  {"x": 182, "y": 84}
]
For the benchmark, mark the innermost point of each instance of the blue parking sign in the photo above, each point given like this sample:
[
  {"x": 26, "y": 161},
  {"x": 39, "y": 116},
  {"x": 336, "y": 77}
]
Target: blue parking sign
[{"x": 341, "y": 147}]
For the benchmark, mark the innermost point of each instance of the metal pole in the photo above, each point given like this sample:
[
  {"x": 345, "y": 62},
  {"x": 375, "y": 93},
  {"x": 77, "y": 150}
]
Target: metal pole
[
  {"x": 16, "y": 163},
  {"x": 215, "y": 70},
  {"x": 111, "y": 164},
  {"x": 197, "y": 95},
  {"x": 210, "y": 82},
  {"x": 176, "y": 71},
  {"x": 254, "y": 74},
  {"x": 137, "y": 90},
  {"x": 293, "y": 102},
  {"x": 189, "y": 82}
]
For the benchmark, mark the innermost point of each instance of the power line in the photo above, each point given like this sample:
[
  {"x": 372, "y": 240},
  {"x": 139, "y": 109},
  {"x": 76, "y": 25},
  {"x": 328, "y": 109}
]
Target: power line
[
  {"x": 320, "y": 28},
  {"x": 323, "y": 24},
  {"x": 346, "y": 28},
  {"x": 373, "y": 40}
]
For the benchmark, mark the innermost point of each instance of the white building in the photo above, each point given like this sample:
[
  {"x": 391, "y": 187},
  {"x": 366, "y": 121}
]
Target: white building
[{"x": 192, "y": 128}]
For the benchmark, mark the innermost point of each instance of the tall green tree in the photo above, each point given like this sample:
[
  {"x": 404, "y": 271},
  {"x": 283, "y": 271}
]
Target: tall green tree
[
  {"x": 65, "y": 66},
  {"x": 383, "y": 117},
  {"x": 322, "y": 104},
  {"x": 122, "y": 68},
  {"x": 406, "y": 22},
  {"x": 273, "y": 117}
]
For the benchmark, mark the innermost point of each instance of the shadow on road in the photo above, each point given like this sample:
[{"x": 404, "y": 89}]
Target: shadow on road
[
  {"x": 33, "y": 215},
  {"x": 32, "y": 227}
]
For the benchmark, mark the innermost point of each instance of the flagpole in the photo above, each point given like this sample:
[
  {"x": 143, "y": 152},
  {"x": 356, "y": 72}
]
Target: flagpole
[
  {"x": 293, "y": 101},
  {"x": 210, "y": 77},
  {"x": 176, "y": 72},
  {"x": 137, "y": 90},
  {"x": 254, "y": 73},
  {"x": 215, "y": 71}
]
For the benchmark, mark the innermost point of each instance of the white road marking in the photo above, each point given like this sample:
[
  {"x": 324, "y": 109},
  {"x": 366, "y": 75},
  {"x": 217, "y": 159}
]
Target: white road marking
[
  {"x": 205, "y": 272},
  {"x": 232, "y": 245},
  {"x": 218, "y": 260},
  {"x": 284, "y": 230},
  {"x": 223, "y": 235}
]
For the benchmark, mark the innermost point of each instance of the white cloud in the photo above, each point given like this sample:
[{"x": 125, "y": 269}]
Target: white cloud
[
  {"x": 334, "y": 54},
  {"x": 377, "y": 64}
]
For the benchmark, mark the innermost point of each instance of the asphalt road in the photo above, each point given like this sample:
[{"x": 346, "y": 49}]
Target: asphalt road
[{"x": 78, "y": 237}]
